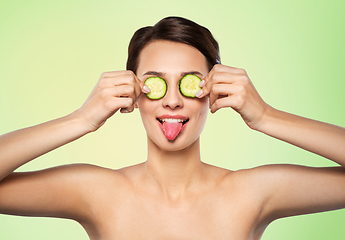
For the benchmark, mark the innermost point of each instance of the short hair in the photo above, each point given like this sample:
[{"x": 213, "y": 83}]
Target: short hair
[{"x": 175, "y": 29}]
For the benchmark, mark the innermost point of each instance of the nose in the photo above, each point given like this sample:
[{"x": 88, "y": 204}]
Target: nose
[{"x": 173, "y": 98}]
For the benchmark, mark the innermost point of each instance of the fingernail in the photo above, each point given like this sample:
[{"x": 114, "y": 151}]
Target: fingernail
[
  {"x": 146, "y": 89},
  {"x": 199, "y": 93},
  {"x": 202, "y": 83}
]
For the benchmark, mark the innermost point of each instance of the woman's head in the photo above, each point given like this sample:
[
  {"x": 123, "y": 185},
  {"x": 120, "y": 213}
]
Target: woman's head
[
  {"x": 171, "y": 49},
  {"x": 175, "y": 29},
  {"x": 171, "y": 61}
]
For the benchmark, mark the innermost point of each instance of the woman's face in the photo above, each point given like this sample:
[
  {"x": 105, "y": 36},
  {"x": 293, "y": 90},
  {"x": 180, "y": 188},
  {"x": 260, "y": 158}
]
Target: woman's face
[{"x": 171, "y": 61}]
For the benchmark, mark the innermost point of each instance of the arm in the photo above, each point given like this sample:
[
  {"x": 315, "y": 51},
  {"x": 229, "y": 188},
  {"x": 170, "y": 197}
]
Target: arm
[
  {"x": 286, "y": 190},
  {"x": 19, "y": 191},
  {"x": 22, "y": 146},
  {"x": 231, "y": 87},
  {"x": 318, "y": 137}
]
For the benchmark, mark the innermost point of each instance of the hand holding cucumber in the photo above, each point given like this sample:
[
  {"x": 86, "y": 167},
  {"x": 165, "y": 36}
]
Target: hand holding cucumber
[
  {"x": 114, "y": 90},
  {"x": 231, "y": 87}
]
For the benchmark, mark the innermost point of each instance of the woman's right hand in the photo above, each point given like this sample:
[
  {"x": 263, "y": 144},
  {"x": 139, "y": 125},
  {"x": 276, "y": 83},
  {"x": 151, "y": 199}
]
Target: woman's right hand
[{"x": 114, "y": 90}]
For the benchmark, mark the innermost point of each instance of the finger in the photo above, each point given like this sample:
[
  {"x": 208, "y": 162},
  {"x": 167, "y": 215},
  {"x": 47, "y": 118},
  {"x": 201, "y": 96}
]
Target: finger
[
  {"x": 145, "y": 89},
  {"x": 220, "y": 103},
  {"x": 126, "y": 110},
  {"x": 216, "y": 78},
  {"x": 110, "y": 79},
  {"x": 218, "y": 68},
  {"x": 119, "y": 91},
  {"x": 233, "y": 101},
  {"x": 117, "y": 81},
  {"x": 129, "y": 109},
  {"x": 225, "y": 68},
  {"x": 130, "y": 91},
  {"x": 219, "y": 89},
  {"x": 116, "y": 73},
  {"x": 224, "y": 90},
  {"x": 121, "y": 83},
  {"x": 115, "y": 103}
]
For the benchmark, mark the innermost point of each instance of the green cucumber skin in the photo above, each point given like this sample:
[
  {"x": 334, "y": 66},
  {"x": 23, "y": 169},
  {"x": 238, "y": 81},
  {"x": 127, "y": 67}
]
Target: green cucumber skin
[
  {"x": 186, "y": 94},
  {"x": 181, "y": 83},
  {"x": 149, "y": 95}
]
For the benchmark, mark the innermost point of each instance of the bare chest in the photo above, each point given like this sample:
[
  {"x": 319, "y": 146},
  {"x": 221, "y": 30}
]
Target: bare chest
[{"x": 206, "y": 217}]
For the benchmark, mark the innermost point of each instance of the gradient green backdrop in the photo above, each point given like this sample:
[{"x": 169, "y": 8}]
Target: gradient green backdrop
[{"x": 53, "y": 52}]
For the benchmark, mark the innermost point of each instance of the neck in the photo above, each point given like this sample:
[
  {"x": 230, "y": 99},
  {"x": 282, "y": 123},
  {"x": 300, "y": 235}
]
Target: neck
[{"x": 174, "y": 172}]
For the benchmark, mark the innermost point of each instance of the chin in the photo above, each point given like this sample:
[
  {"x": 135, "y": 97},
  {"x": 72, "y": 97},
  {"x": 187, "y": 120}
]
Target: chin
[{"x": 180, "y": 143}]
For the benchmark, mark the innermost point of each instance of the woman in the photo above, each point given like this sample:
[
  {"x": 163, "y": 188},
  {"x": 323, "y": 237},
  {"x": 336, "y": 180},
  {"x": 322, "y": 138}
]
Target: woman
[{"x": 172, "y": 195}]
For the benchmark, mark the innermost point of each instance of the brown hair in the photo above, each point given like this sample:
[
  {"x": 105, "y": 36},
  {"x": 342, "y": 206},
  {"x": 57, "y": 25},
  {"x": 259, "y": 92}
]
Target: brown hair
[{"x": 174, "y": 29}]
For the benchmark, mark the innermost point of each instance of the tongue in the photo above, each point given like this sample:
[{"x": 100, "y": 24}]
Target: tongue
[{"x": 171, "y": 130}]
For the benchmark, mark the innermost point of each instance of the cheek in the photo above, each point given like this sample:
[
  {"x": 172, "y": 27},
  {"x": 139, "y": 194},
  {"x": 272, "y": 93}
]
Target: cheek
[
  {"x": 145, "y": 106},
  {"x": 199, "y": 109},
  {"x": 203, "y": 112},
  {"x": 203, "y": 106},
  {"x": 142, "y": 104}
]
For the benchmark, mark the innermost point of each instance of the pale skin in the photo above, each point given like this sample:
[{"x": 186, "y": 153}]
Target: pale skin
[{"x": 173, "y": 194}]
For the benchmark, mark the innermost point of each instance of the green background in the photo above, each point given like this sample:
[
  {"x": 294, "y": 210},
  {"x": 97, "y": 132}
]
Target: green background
[{"x": 53, "y": 52}]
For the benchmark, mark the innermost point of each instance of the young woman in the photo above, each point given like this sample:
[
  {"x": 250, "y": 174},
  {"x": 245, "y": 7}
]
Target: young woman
[{"x": 173, "y": 194}]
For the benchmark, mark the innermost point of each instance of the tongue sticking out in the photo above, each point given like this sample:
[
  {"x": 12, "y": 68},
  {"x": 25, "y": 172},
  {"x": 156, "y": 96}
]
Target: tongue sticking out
[{"x": 171, "y": 129}]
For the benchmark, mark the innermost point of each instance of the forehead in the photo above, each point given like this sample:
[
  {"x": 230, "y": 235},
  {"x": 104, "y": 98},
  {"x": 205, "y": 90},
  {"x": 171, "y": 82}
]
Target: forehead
[{"x": 171, "y": 58}]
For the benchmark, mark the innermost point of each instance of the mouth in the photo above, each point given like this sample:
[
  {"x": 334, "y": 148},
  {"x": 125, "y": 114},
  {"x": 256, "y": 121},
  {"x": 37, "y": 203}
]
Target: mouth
[
  {"x": 173, "y": 120},
  {"x": 172, "y": 126}
]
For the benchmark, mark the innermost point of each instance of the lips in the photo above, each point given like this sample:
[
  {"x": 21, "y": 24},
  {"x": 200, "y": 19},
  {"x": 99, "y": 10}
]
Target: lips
[{"x": 167, "y": 116}]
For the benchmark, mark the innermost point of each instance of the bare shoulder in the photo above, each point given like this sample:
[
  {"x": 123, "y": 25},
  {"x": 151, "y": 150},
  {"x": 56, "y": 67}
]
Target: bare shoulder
[
  {"x": 243, "y": 177},
  {"x": 249, "y": 190},
  {"x": 64, "y": 191},
  {"x": 287, "y": 190},
  {"x": 282, "y": 175},
  {"x": 264, "y": 174},
  {"x": 263, "y": 180},
  {"x": 82, "y": 173},
  {"x": 96, "y": 173},
  {"x": 59, "y": 178},
  {"x": 252, "y": 186},
  {"x": 95, "y": 179}
]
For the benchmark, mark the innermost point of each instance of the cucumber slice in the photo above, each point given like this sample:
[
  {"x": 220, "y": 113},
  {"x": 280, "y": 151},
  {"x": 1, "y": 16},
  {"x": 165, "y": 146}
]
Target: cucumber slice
[
  {"x": 158, "y": 87},
  {"x": 189, "y": 85}
]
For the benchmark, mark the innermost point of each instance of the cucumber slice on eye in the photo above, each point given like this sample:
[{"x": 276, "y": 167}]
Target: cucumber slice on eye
[
  {"x": 189, "y": 85},
  {"x": 158, "y": 87}
]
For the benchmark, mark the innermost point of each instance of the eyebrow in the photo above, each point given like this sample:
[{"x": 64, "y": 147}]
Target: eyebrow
[{"x": 160, "y": 74}]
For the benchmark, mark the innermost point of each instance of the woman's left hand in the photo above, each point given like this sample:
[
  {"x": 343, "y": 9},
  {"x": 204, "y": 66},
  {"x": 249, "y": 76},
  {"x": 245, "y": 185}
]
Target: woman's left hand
[{"x": 231, "y": 87}]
